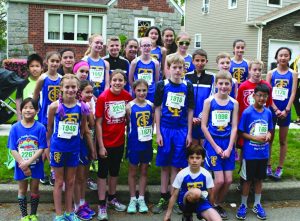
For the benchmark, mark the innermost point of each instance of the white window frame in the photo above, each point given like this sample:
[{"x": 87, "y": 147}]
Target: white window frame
[
  {"x": 230, "y": 4},
  {"x": 136, "y": 22},
  {"x": 274, "y": 5},
  {"x": 205, "y": 6},
  {"x": 76, "y": 14},
  {"x": 195, "y": 40}
]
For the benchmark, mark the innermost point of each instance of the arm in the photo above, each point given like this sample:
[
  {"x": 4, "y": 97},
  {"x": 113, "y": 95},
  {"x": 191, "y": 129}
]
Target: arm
[
  {"x": 24, "y": 164},
  {"x": 268, "y": 79},
  {"x": 26, "y": 170},
  {"x": 157, "y": 114},
  {"x": 190, "y": 126},
  {"x": 38, "y": 88},
  {"x": 131, "y": 72},
  {"x": 163, "y": 60},
  {"x": 102, "y": 150},
  {"x": 90, "y": 143},
  {"x": 157, "y": 70},
  {"x": 172, "y": 201},
  {"x": 107, "y": 68},
  {"x": 211, "y": 195},
  {"x": 52, "y": 111},
  {"x": 18, "y": 105},
  {"x": 260, "y": 139},
  {"x": 128, "y": 112},
  {"x": 166, "y": 69}
]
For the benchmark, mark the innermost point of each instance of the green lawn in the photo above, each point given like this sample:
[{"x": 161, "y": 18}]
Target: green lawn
[{"x": 291, "y": 168}]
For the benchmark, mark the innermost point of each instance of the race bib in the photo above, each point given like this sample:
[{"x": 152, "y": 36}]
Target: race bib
[
  {"x": 220, "y": 118},
  {"x": 27, "y": 154},
  {"x": 66, "y": 129},
  {"x": 145, "y": 133},
  {"x": 117, "y": 109},
  {"x": 147, "y": 77},
  {"x": 260, "y": 129},
  {"x": 175, "y": 100},
  {"x": 97, "y": 75},
  {"x": 279, "y": 93}
]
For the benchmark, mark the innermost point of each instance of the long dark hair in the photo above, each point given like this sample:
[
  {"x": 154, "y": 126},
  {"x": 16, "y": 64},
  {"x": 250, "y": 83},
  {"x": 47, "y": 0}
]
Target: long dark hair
[
  {"x": 173, "y": 48},
  {"x": 159, "y": 40}
]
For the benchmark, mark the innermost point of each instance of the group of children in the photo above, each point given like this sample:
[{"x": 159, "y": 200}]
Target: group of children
[{"x": 83, "y": 113}]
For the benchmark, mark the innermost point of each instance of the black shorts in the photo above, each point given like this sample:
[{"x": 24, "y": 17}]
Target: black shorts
[
  {"x": 111, "y": 163},
  {"x": 254, "y": 169}
]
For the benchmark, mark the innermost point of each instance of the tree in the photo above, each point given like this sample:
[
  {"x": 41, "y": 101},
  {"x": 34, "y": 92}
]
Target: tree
[
  {"x": 180, "y": 2},
  {"x": 3, "y": 14}
]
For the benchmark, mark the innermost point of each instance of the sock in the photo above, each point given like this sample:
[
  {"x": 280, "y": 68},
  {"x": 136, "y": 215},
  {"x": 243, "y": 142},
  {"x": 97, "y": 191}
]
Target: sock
[
  {"x": 34, "y": 201},
  {"x": 132, "y": 198},
  {"x": 244, "y": 200},
  {"x": 23, "y": 205},
  {"x": 102, "y": 202},
  {"x": 257, "y": 198},
  {"x": 76, "y": 207},
  {"x": 111, "y": 197},
  {"x": 141, "y": 198},
  {"x": 164, "y": 196},
  {"x": 82, "y": 202}
]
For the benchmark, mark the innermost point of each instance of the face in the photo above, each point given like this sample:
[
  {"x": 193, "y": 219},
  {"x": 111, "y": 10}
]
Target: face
[
  {"x": 97, "y": 44},
  {"x": 168, "y": 37},
  {"x": 146, "y": 46},
  {"x": 260, "y": 98},
  {"x": 183, "y": 44},
  {"x": 28, "y": 111},
  {"x": 82, "y": 73},
  {"x": 141, "y": 91},
  {"x": 283, "y": 57},
  {"x": 195, "y": 161},
  {"x": 176, "y": 70},
  {"x": 153, "y": 34},
  {"x": 35, "y": 69},
  {"x": 117, "y": 83},
  {"x": 87, "y": 93},
  {"x": 114, "y": 48},
  {"x": 199, "y": 61},
  {"x": 239, "y": 49},
  {"x": 68, "y": 59},
  {"x": 69, "y": 88},
  {"x": 224, "y": 64},
  {"x": 53, "y": 62},
  {"x": 131, "y": 49},
  {"x": 223, "y": 86},
  {"x": 255, "y": 72}
]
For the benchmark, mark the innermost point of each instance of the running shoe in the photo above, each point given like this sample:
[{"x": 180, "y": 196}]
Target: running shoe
[
  {"x": 221, "y": 212},
  {"x": 102, "y": 212},
  {"x": 160, "y": 206},
  {"x": 116, "y": 205},
  {"x": 142, "y": 206},
  {"x": 278, "y": 173},
  {"x": 260, "y": 212},
  {"x": 132, "y": 206},
  {"x": 241, "y": 212}
]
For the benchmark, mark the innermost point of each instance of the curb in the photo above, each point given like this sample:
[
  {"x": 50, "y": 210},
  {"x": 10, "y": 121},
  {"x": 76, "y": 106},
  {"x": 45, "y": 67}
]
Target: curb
[{"x": 272, "y": 191}]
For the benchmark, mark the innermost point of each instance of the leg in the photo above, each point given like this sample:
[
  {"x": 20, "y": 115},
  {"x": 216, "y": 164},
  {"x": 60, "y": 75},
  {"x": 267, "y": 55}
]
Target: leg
[
  {"x": 211, "y": 215},
  {"x": 224, "y": 189},
  {"x": 22, "y": 192},
  {"x": 174, "y": 172},
  {"x": 143, "y": 179},
  {"x": 219, "y": 182},
  {"x": 270, "y": 147},
  {"x": 164, "y": 179},
  {"x": 79, "y": 182},
  {"x": 283, "y": 131},
  {"x": 57, "y": 190},
  {"x": 112, "y": 185},
  {"x": 69, "y": 183},
  {"x": 101, "y": 181}
]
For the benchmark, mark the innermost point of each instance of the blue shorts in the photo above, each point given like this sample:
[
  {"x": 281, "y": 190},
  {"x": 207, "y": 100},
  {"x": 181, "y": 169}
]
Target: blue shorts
[
  {"x": 213, "y": 161},
  {"x": 84, "y": 153},
  {"x": 64, "y": 159},
  {"x": 197, "y": 208},
  {"x": 197, "y": 132},
  {"x": 37, "y": 171},
  {"x": 173, "y": 151},
  {"x": 281, "y": 122},
  {"x": 136, "y": 157}
]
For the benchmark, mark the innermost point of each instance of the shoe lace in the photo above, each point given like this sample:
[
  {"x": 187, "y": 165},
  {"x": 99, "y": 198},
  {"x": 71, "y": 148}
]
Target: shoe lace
[
  {"x": 260, "y": 209},
  {"x": 132, "y": 203},
  {"x": 278, "y": 171},
  {"x": 103, "y": 209},
  {"x": 142, "y": 203}
]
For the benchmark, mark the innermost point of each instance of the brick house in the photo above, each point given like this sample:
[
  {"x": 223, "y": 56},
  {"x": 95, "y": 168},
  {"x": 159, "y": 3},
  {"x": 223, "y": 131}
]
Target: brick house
[
  {"x": 45, "y": 25},
  {"x": 265, "y": 25}
]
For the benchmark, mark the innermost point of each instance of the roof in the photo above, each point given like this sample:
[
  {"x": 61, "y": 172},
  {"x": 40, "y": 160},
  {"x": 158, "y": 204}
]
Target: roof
[{"x": 263, "y": 20}]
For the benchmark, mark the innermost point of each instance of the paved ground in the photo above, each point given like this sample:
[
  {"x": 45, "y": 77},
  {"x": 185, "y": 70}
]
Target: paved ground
[{"x": 276, "y": 211}]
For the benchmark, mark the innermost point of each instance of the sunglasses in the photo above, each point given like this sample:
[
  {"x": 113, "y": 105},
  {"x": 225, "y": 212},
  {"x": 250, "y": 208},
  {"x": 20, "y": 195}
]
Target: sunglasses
[{"x": 187, "y": 43}]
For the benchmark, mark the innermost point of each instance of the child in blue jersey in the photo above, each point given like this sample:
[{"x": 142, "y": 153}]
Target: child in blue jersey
[
  {"x": 255, "y": 127},
  {"x": 284, "y": 83},
  {"x": 157, "y": 50},
  {"x": 99, "y": 68},
  {"x": 139, "y": 114},
  {"x": 203, "y": 82},
  {"x": 219, "y": 125},
  {"x": 174, "y": 104},
  {"x": 66, "y": 124},
  {"x": 145, "y": 67},
  {"x": 239, "y": 66},
  {"x": 192, "y": 186},
  {"x": 27, "y": 141}
]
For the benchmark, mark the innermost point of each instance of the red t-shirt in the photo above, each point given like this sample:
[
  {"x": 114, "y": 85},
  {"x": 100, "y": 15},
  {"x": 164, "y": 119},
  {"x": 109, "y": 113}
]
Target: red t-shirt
[
  {"x": 245, "y": 95},
  {"x": 111, "y": 108}
]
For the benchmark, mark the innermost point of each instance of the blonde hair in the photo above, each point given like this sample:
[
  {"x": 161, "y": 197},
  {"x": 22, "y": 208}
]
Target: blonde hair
[
  {"x": 223, "y": 75},
  {"x": 252, "y": 62},
  {"x": 183, "y": 34},
  {"x": 91, "y": 39},
  {"x": 144, "y": 38},
  {"x": 113, "y": 38},
  {"x": 174, "y": 59},
  {"x": 222, "y": 55}
]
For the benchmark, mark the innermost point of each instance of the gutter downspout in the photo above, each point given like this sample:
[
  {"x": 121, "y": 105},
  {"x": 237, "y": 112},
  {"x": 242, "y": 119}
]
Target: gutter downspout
[{"x": 259, "y": 40}]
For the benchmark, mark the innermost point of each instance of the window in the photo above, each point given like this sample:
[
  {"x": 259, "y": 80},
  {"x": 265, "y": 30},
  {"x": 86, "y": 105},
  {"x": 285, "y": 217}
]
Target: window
[
  {"x": 141, "y": 25},
  {"x": 205, "y": 6},
  {"x": 232, "y": 4},
  {"x": 197, "y": 41},
  {"x": 274, "y": 3},
  {"x": 70, "y": 27}
]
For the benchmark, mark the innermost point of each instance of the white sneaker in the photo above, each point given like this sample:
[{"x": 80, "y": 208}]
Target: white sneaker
[
  {"x": 116, "y": 205},
  {"x": 102, "y": 213},
  {"x": 132, "y": 206},
  {"x": 142, "y": 206}
]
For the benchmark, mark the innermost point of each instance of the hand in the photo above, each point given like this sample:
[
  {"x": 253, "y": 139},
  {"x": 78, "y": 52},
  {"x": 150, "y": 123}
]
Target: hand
[
  {"x": 167, "y": 217},
  {"x": 226, "y": 153},
  {"x": 268, "y": 137},
  {"x": 102, "y": 152},
  {"x": 261, "y": 139},
  {"x": 282, "y": 114},
  {"x": 196, "y": 121},
  {"x": 93, "y": 155},
  {"x": 219, "y": 151},
  {"x": 189, "y": 140},
  {"x": 159, "y": 140},
  {"x": 27, "y": 171},
  {"x": 277, "y": 112},
  {"x": 24, "y": 165}
]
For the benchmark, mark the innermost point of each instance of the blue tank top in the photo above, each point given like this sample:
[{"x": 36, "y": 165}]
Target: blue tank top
[
  {"x": 239, "y": 71},
  {"x": 140, "y": 117},
  {"x": 188, "y": 62},
  {"x": 282, "y": 85},
  {"x": 97, "y": 75},
  {"x": 72, "y": 117},
  {"x": 220, "y": 118},
  {"x": 174, "y": 117},
  {"x": 157, "y": 54},
  {"x": 49, "y": 93}
]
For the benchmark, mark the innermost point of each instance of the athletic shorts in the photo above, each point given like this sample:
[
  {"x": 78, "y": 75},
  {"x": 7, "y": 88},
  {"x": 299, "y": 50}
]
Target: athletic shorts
[
  {"x": 64, "y": 159},
  {"x": 136, "y": 157},
  {"x": 213, "y": 161},
  {"x": 110, "y": 164},
  {"x": 173, "y": 151},
  {"x": 198, "y": 208},
  {"x": 37, "y": 171},
  {"x": 197, "y": 132},
  {"x": 84, "y": 153},
  {"x": 282, "y": 122},
  {"x": 254, "y": 169}
]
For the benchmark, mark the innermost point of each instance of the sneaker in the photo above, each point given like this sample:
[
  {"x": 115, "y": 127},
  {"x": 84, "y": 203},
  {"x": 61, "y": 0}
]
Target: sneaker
[
  {"x": 260, "y": 212},
  {"x": 241, "y": 212},
  {"x": 88, "y": 209},
  {"x": 102, "y": 213},
  {"x": 71, "y": 217},
  {"x": 25, "y": 218},
  {"x": 221, "y": 212},
  {"x": 132, "y": 206},
  {"x": 269, "y": 171},
  {"x": 187, "y": 217},
  {"x": 59, "y": 218},
  {"x": 83, "y": 214},
  {"x": 45, "y": 181},
  {"x": 34, "y": 217},
  {"x": 116, "y": 205},
  {"x": 142, "y": 206},
  {"x": 160, "y": 206},
  {"x": 176, "y": 209},
  {"x": 278, "y": 173},
  {"x": 92, "y": 185},
  {"x": 52, "y": 178}
]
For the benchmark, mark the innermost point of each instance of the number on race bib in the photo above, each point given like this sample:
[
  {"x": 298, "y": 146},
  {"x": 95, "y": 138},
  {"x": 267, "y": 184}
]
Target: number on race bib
[
  {"x": 145, "y": 133},
  {"x": 175, "y": 100},
  {"x": 66, "y": 129},
  {"x": 220, "y": 118}
]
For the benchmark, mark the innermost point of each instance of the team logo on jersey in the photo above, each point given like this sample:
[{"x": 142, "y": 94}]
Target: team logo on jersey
[
  {"x": 175, "y": 112},
  {"x": 238, "y": 74},
  {"x": 145, "y": 71},
  {"x": 57, "y": 157},
  {"x": 197, "y": 185},
  {"x": 281, "y": 83},
  {"x": 53, "y": 92},
  {"x": 142, "y": 118},
  {"x": 155, "y": 56},
  {"x": 71, "y": 118},
  {"x": 248, "y": 97},
  {"x": 213, "y": 160}
]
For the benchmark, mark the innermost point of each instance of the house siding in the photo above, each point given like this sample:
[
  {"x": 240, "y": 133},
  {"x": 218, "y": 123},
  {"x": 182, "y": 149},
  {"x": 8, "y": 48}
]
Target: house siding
[{"x": 217, "y": 29}]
